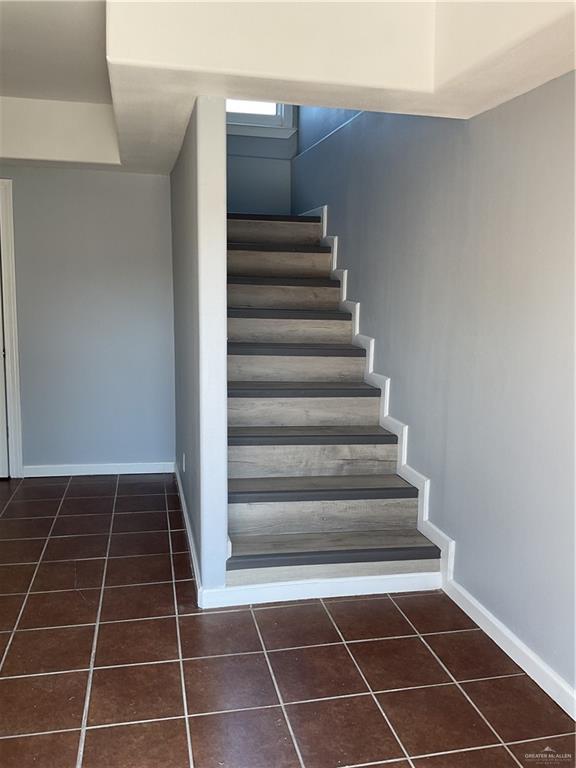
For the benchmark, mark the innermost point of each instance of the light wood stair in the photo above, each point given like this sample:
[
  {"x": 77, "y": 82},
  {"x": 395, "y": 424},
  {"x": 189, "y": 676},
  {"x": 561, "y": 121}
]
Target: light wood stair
[{"x": 313, "y": 489}]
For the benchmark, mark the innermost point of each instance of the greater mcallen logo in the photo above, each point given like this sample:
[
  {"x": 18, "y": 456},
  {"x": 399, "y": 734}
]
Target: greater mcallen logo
[{"x": 548, "y": 756}]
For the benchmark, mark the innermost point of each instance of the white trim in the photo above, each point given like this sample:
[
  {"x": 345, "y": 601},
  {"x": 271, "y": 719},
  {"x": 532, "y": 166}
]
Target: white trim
[
  {"x": 190, "y": 537},
  {"x": 534, "y": 666},
  {"x": 310, "y": 588},
  {"x": 140, "y": 468},
  {"x": 13, "y": 408}
]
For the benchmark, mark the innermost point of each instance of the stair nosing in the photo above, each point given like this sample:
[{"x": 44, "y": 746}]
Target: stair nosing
[
  {"x": 327, "y": 557},
  {"x": 288, "y": 217},
  {"x": 383, "y": 438},
  {"x": 276, "y": 247},
  {"x": 280, "y": 349},
  {"x": 284, "y": 280},
  {"x": 240, "y": 492},
  {"x": 281, "y": 389},
  {"x": 269, "y": 313}
]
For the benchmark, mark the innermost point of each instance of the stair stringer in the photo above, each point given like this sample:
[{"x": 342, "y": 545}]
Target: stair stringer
[{"x": 446, "y": 544}]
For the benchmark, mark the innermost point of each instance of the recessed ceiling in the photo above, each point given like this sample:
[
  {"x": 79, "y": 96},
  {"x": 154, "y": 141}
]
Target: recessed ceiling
[{"x": 54, "y": 50}]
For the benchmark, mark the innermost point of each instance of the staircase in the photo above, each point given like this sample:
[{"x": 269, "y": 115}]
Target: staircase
[{"x": 313, "y": 489}]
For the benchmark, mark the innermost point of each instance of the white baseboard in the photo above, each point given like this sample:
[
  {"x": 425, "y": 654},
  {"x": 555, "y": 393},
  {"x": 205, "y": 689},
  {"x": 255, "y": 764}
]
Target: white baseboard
[
  {"x": 534, "y": 666},
  {"x": 190, "y": 537},
  {"x": 314, "y": 588},
  {"x": 141, "y": 468}
]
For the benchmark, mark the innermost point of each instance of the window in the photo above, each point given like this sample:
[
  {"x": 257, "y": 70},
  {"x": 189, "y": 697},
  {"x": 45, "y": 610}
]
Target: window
[{"x": 259, "y": 118}]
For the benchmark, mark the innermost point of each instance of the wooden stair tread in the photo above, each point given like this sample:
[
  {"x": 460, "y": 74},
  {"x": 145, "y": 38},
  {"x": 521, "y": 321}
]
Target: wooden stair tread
[
  {"x": 254, "y": 551},
  {"x": 278, "y": 247},
  {"x": 301, "y": 389},
  {"x": 280, "y": 349},
  {"x": 271, "y": 313},
  {"x": 324, "y": 487},
  {"x": 353, "y": 435},
  {"x": 273, "y": 217},
  {"x": 288, "y": 280}
]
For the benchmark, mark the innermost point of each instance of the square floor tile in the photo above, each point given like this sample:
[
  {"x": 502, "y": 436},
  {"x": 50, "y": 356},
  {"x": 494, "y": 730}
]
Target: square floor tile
[
  {"x": 228, "y": 682},
  {"x": 52, "y": 750},
  {"x": 469, "y": 655},
  {"x": 10, "y": 606},
  {"x": 433, "y": 613},
  {"x": 397, "y": 663},
  {"x": 148, "y": 503},
  {"x": 530, "y": 752},
  {"x": 82, "y": 525},
  {"x": 94, "y": 506},
  {"x": 495, "y": 757},
  {"x": 160, "y": 744},
  {"x": 42, "y": 703},
  {"x": 138, "y": 570},
  {"x": 86, "y": 490},
  {"x": 131, "y": 642},
  {"x": 179, "y": 541},
  {"x": 68, "y": 574},
  {"x": 173, "y": 501},
  {"x": 25, "y": 528},
  {"x": 39, "y": 492},
  {"x": 55, "y": 609},
  {"x": 176, "y": 519},
  {"x": 124, "y": 544},
  {"x": 141, "y": 692},
  {"x": 75, "y": 547},
  {"x": 4, "y": 638},
  {"x": 15, "y": 578},
  {"x": 23, "y": 551},
  {"x": 186, "y": 597},
  {"x": 18, "y": 509},
  {"x": 315, "y": 673},
  {"x": 363, "y": 619},
  {"x": 436, "y": 719},
  {"x": 91, "y": 479},
  {"x": 213, "y": 634},
  {"x": 296, "y": 625},
  {"x": 251, "y": 739},
  {"x": 342, "y": 732},
  {"x": 140, "y": 488},
  {"x": 518, "y": 709},
  {"x": 133, "y": 522},
  {"x": 49, "y": 650},
  {"x": 182, "y": 565},
  {"x": 138, "y": 602}
]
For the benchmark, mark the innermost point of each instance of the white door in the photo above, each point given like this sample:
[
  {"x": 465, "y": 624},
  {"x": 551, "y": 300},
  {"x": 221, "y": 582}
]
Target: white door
[{"x": 4, "y": 462}]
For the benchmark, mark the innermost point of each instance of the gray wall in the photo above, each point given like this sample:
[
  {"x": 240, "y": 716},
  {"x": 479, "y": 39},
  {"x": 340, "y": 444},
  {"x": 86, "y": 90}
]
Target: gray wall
[
  {"x": 460, "y": 242},
  {"x": 259, "y": 174},
  {"x": 314, "y": 123},
  {"x": 94, "y": 301}
]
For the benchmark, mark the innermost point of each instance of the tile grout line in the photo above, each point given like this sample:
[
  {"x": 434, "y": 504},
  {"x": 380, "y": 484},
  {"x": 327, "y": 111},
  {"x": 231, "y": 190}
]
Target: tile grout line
[
  {"x": 87, "y": 589},
  {"x": 363, "y": 676},
  {"x": 88, "y": 693},
  {"x": 37, "y": 566},
  {"x": 277, "y": 688},
  {"x": 459, "y": 686},
  {"x": 178, "y": 638}
]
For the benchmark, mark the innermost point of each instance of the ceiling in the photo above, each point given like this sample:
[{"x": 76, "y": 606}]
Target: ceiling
[{"x": 54, "y": 50}]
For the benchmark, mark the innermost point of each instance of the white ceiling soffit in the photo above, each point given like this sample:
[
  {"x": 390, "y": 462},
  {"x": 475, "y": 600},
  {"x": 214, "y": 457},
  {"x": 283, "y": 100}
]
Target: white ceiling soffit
[
  {"x": 454, "y": 59},
  {"x": 54, "y": 50}
]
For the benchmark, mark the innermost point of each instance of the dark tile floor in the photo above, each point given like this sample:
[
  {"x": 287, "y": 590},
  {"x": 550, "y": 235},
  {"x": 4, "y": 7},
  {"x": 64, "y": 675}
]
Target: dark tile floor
[{"x": 109, "y": 663}]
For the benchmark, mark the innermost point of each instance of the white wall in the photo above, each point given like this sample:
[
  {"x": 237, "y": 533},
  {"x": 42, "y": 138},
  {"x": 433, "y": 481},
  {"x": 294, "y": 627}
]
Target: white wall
[
  {"x": 94, "y": 305},
  {"x": 198, "y": 186},
  {"x": 459, "y": 237}
]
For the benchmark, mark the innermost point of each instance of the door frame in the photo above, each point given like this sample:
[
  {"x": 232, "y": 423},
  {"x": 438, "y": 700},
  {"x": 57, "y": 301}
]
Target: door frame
[{"x": 11, "y": 361}]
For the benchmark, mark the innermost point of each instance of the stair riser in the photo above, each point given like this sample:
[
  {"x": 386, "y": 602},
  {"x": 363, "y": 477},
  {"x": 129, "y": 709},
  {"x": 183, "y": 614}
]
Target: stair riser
[
  {"x": 294, "y": 368},
  {"x": 283, "y": 296},
  {"x": 310, "y": 460},
  {"x": 428, "y": 569},
  {"x": 273, "y": 518},
  {"x": 284, "y": 330},
  {"x": 302, "y": 411},
  {"x": 241, "y": 231},
  {"x": 279, "y": 264}
]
